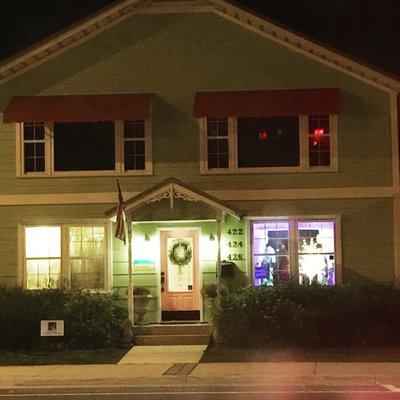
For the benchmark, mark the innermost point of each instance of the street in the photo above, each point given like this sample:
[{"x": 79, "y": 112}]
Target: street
[{"x": 273, "y": 392}]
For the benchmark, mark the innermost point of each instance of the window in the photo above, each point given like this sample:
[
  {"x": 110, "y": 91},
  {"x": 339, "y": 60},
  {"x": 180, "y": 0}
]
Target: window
[
  {"x": 82, "y": 264},
  {"x": 134, "y": 145},
  {"x": 287, "y": 249},
  {"x": 269, "y": 144},
  {"x": 85, "y": 148},
  {"x": 34, "y": 147}
]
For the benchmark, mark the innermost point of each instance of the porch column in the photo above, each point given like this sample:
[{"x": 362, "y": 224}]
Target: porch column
[
  {"x": 130, "y": 283},
  {"x": 218, "y": 266}
]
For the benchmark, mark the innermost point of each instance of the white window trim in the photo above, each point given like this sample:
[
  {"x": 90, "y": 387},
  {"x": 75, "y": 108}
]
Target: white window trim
[
  {"x": 65, "y": 257},
  {"x": 303, "y": 143},
  {"x": 293, "y": 252},
  {"x": 49, "y": 155}
]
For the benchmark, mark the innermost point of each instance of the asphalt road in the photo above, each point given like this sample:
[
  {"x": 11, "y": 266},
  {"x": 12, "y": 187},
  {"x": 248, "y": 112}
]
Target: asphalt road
[{"x": 282, "y": 392}]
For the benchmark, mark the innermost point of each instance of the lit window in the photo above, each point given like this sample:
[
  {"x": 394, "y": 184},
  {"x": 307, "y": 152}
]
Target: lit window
[
  {"x": 43, "y": 257},
  {"x": 83, "y": 266},
  {"x": 314, "y": 256},
  {"x": 87, "y": 256},
  {"x": 34, "y": 147},
  {"x": 319, "y": 140}
]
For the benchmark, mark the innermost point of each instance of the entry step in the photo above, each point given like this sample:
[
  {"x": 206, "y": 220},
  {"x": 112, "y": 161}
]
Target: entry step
[
  {"x": 170, "y": 340},
  {"x": 173, "y": 329}
]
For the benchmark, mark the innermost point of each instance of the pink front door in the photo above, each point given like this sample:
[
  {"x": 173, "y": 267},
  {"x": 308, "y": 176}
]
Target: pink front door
[{"x": 180, "y": 289}]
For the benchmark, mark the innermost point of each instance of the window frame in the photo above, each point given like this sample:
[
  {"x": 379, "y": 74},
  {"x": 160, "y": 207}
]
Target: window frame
[
  {"x": 119, "y": 169},
  {"x": 303, "y": 144},
  {"x": 293, "y": 241},
  {"x": 65, "y": 273}
]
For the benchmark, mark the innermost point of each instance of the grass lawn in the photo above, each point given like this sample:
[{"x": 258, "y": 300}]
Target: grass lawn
[
  {"x": 36, "y": 357},
  {"x": 357, "y": 354}
]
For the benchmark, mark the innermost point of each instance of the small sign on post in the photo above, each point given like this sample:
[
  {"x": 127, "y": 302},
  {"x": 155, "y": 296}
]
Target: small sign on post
[{"x": 52, "y": 328}]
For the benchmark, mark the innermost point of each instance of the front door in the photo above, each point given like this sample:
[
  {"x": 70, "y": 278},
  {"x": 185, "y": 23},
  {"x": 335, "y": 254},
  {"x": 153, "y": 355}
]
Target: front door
[{"x": 180, "y": 289}]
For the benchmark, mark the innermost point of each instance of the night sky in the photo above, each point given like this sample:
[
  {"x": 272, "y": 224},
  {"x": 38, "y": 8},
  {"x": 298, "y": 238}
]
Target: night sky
[{"x": 368, "y": 30}]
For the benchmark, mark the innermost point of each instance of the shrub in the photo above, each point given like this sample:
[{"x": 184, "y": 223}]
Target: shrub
[
  {"x": 91, "y": 320},
  {"x": 314, "y": 315}
]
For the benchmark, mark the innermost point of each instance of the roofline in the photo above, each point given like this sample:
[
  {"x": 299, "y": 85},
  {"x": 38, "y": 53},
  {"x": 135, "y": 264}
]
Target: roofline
[
  {"x": 96, "y": 23},
  {"x": 167, "y": 190}
]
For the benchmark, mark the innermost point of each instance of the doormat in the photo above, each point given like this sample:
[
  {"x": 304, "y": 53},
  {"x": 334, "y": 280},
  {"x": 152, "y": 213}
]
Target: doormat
[
  {"x": 192, "y": 315},
  {"x": 180, "y": 369}
]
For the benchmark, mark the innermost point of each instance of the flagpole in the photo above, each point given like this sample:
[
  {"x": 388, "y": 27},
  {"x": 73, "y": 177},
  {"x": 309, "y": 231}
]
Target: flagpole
[{"x": 130, "y": 283}]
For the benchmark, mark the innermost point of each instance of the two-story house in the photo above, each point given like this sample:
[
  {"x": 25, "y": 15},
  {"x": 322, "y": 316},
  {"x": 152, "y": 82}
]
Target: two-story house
[{"x": 236, "y": 143}]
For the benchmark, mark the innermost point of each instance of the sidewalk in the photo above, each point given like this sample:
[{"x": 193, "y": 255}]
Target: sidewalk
[{"x": 200, "y": 374}]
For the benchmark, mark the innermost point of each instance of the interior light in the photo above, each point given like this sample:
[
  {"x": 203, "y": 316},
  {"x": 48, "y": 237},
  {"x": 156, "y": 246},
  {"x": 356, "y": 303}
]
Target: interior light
[{"x": 263, "y": 135}]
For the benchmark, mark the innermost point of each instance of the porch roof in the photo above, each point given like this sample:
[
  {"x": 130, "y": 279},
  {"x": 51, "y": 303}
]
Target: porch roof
[{"x": 171, "y": 189}]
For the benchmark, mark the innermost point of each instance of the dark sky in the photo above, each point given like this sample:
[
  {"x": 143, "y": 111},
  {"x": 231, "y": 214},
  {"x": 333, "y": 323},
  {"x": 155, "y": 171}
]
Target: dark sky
[{"x": 365, "y": 29}]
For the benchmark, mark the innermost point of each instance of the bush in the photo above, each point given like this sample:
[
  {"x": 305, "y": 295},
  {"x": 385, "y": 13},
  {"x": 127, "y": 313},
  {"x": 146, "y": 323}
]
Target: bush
[
  {"x": 311, "y": 316},
  {"x": 91, "y": 320}
]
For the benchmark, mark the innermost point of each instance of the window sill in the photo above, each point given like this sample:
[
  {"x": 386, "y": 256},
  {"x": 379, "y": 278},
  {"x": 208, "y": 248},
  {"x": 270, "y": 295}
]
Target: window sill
[
  {"x": 272, "y": 170},
  {"x": 84, "y": 174}
]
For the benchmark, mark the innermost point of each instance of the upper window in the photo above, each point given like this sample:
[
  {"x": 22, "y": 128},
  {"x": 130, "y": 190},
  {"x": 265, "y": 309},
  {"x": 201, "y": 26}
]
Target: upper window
[
  {"x": 294, "y": 249},
  {"x": 269, "y": 144},
  {"x": 89, "y": 148},
  {"x": 82, "y": 265}
]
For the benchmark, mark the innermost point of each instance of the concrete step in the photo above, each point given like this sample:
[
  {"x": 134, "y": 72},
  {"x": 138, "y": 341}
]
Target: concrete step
[
  {"x": 173, "y": 329},
  {"x": 170, "y": 340}
]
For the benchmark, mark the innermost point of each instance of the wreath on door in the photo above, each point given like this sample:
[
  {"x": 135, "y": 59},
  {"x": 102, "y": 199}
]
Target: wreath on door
[{"x": 180, "y": 253}]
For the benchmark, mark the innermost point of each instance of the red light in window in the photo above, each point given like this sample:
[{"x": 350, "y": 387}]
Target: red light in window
[
  {"x": 319, "y": 131},
  {"x": 263, "y": 135}
]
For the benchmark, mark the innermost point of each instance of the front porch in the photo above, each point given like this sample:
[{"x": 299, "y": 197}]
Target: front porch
[{"x": 178, "y": 245}]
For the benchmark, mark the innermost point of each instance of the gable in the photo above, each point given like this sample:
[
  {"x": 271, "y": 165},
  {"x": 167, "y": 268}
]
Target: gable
[{"x": 267, "y": 29}]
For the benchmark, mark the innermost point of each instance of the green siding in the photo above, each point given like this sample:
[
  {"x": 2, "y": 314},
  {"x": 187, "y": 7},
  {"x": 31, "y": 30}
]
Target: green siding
[{"x": 174, "y": 56}]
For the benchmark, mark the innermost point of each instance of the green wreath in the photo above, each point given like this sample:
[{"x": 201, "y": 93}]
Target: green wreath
[{"x": 180, "y": 253}]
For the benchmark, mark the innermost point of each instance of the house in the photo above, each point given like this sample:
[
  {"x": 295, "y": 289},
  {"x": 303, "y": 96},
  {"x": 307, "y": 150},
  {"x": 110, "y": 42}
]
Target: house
[{"x": 242, "y": 149}]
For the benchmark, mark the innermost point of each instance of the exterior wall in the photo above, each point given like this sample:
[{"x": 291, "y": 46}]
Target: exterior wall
[
  {"x": 156, "y": 53},
  {"x": 174, "y": 56}
]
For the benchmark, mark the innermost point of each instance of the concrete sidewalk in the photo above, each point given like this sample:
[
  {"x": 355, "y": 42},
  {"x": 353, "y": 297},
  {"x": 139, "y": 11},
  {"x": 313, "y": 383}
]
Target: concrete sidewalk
[{"x": 205, "y": 373}]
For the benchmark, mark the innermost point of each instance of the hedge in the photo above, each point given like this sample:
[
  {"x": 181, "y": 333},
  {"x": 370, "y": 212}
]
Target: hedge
[
  {"x": 91, "y": 320},
  {"x": 309, "y": 316}
]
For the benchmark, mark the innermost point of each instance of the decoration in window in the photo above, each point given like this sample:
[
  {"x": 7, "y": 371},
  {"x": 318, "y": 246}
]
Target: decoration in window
[
  {"x": 34, "y": 146},
  {"x": 316, "y": 248},
  {"x": 217, "y": 143},
  {"x": 282, "y": 149},
  {"x": 319, "y": 140},
  {"x": 271, "y": 252},
  {"x": 314, "y": 256},
  {"x": 134, "y": 145}
]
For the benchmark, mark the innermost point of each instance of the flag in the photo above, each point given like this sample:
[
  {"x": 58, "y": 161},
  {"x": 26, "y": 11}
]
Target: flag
[{"x": 120, "y": 227}]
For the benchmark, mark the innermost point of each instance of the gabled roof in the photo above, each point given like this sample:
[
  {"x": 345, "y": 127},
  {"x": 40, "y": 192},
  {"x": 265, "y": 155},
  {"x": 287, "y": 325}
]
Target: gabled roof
[
  {"x": 114, "y": 14},
  {"x": 171, "y": 189}
]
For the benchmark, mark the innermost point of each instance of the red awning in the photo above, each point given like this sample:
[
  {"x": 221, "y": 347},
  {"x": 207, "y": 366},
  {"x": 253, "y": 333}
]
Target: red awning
[
  {"x": 78, "y": 108},
  {"x": 267, "y": 103}
]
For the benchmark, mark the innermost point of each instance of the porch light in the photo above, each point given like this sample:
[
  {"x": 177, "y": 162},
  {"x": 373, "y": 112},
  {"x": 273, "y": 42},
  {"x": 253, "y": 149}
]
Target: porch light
[
  {"x": 212, "y": 237},
  {"x": 146, "y": 238}
]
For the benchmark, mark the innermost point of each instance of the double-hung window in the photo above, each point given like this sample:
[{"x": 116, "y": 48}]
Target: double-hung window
[
  {"x": 268, "y": 131},
  {"x": 85, "y": 148},
  {"x": 82, "y": 135},
  {"x": 68, "y": 255},
  {"x": 302, "y": 249}
]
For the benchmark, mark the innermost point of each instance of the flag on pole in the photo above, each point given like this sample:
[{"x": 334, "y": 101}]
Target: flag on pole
[{"x": 120, "y": 227}]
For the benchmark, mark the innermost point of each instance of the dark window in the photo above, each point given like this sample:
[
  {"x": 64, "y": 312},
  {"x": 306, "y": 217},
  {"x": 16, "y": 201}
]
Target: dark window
[
  {"x": 84, "y": 146},
  {"x": 134, "y": 145},
  {"x": 319, "y": 140},
  {"x": 268, "y": 142},
  {"x": 217, "y": 143},
  {"x": 34, "y": 147}
]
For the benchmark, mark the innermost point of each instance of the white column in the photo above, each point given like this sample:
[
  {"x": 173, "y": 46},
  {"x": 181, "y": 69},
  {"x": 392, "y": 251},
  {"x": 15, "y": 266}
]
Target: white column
[
  {"x": 130, "y": 282},
  {"x": 218, "y": 266}
]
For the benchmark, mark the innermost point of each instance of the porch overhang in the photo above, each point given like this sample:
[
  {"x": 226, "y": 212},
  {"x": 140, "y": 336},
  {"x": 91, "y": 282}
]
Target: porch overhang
[{"x": 173, "y": 189}]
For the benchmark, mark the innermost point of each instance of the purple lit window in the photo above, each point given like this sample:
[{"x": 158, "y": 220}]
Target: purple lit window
[
  {"x": 316, "y": 249},
  {"x": 270, "y": 240}
]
